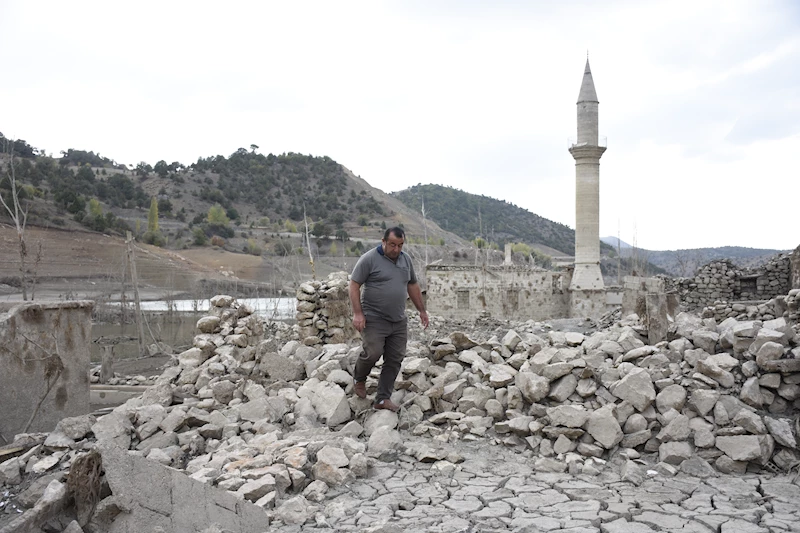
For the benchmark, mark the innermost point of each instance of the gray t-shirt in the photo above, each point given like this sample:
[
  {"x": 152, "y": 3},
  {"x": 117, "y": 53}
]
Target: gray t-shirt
[{"x": 384, "y": 284}]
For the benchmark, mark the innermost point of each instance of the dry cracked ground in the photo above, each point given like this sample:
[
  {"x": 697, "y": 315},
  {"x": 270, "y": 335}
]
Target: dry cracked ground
[{"x": 530, "y": 427}]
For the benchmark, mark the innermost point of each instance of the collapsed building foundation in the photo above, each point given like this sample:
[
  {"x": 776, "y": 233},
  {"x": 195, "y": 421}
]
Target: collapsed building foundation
[{"x": 44, "y": 357}]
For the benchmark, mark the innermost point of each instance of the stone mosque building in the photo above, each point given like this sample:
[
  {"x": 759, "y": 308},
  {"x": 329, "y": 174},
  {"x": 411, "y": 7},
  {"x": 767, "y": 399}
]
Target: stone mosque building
[{"x": 514, "y": 291}]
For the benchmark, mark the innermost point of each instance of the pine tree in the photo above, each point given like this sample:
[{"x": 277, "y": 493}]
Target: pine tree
[{"x": 152, "y": 217}]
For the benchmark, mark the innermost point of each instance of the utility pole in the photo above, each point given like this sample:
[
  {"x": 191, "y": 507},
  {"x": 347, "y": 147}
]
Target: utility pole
[
  {"x": 137, "y": 302},
  {"x": 123, "y": 297}
]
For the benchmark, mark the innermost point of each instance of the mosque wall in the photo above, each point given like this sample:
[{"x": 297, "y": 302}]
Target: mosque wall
[{"x": 504, "y": 292}]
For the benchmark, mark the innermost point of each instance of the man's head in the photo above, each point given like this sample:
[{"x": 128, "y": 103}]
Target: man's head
[{"x": 393, "y": 239}]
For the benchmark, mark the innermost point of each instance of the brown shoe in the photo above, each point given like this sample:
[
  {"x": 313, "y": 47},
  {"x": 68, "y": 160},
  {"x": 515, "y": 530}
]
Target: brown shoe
[
  {"x": 360, "y": 388},
  {"x": 386, "y": 404}
]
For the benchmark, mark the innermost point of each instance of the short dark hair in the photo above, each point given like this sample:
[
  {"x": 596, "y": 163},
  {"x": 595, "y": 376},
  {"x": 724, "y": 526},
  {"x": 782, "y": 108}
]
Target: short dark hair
[{"x": 397, "y": 231}]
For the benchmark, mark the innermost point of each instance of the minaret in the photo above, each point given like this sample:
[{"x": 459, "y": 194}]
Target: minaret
[{"x": 587, "y": 153}]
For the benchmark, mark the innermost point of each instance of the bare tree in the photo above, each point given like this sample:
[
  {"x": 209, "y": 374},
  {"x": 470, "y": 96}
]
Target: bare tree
[
  {"x": 308, "y": 244},
  {"x": 18, "y": 214},
  {"x": 425, "y": 227},
  {"x": 683, "y": 260}
]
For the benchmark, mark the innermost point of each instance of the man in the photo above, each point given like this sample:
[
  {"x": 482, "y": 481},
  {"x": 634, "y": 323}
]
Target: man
[{"x": 379, "y": 313}]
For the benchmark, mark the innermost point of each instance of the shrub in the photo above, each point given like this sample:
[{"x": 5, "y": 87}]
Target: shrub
[
  {"x": 283, "y": 248},
  {"x": 199, "y": 235},
  {"x": 251, "y": 247},
  {"x": 156, "y": 238},
  {"x": 216, "y": 240}
]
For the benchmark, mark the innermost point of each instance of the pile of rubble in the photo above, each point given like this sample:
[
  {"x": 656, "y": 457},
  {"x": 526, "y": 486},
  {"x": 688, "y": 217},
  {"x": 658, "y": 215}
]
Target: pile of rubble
[
  {"x": 255, "y": 409},
  {"x": 787, "y": 306}
]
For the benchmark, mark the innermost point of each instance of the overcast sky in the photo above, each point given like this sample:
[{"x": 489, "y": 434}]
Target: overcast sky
[{"x": 699, "y": 100}]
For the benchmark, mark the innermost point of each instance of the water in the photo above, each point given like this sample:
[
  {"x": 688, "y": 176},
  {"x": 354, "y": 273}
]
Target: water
[
  {"x": 272, "y": 308},
  {"x": 173, "y": 322}
]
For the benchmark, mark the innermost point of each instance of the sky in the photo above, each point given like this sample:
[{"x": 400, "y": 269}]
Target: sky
[{"x": 699, "y": 100}]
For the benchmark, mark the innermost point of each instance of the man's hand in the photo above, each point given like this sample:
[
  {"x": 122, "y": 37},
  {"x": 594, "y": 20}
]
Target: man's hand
[
  {"x": 359, "y": 321},
  {"x": 423, "y": 317}
]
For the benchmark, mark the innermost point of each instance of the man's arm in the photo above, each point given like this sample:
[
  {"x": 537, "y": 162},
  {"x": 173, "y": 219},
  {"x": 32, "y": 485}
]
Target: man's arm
[
  {"x": 354, "y": 289},
  {"x": 415, "y": 293}
]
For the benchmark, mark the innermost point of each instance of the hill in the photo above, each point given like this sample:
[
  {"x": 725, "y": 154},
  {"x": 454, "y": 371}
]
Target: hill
[
  {"x": 684, "y": 262},
  {"x": 471, "y": 216},
  {"x": 278, "y": 209}
]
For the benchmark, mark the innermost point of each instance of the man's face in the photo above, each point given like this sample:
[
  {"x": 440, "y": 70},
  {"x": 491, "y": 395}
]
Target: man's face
[{"x": 392, "y": 246}]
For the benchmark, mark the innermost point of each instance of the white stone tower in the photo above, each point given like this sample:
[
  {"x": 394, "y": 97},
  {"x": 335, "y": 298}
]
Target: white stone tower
[{"x": 587, "y": 152}]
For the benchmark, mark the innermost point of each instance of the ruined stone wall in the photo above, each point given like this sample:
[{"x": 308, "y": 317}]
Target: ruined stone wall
[
  {"x": 44, "y": 345},
  {"x": 794, "y": 267},
  {"x": 635, "y": 289},
  {"x": 323, "y": 311},
  {"x": 721, "y": 281},
  {"x": 505, "y": 292}
]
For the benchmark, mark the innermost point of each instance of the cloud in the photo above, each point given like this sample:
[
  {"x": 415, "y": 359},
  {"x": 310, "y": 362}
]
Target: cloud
[{"x": 700, "y": 101}]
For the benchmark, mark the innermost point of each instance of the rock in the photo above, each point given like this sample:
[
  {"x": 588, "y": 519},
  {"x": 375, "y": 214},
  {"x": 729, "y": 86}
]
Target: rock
[
  {"x": 295, "y": 511},
  {"x": 632, "y": 473},
  {"x": 192, "y": 358},
  {"x": 705, "y": 340},
  {"x": 573, "y": 416},
  {"x": 208, "y": 324},
  {"x": 532, "y": 386},
  {"x": 703, "y": 400},
  {"x": 114, "y": 429},
  {"x": 781, "y": 430},
  {"x": 603, "y": 426},
  {"x": 461, "y": 341},
  {"x": 329, "y": 401},
  {"x": 315, "y": 491},
  {"x": 278, "y": 367},
  {"x": 675, "y": 452},
  {"x": 746, "y": 447},
  {"x": 769, "y": 351},
  {"x": 751, "y": 393},
  {"x": 502, "y": 375},
  {"x": 223, "y": 391},
  {"x": 333, "y": 476},
  {"x": 380, "y": 418},
  {"x": 562, "y": 388},
  {"x": 222, "y": 300},
  {"x": 636, "y": 387},
  {"x": 511, "y": 340},
  {"x": 574, "y": 338},
  {"x": 671, "y": 397},
  {"x": 750, "y": 422},
  {"x": 257, "y": 488},
  {"x": 76, "y": 427},
  {"x": 676, "y": 430},
  {"x": 698, "y": 467},
  {"x": 11, "y": 472},
  {"x": 383, "y": 444}
]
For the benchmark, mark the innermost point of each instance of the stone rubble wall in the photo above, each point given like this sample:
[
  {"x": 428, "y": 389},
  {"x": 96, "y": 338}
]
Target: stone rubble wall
[
  {"x": 323, "y": 311},
  {"x": 722, "y": 281}
]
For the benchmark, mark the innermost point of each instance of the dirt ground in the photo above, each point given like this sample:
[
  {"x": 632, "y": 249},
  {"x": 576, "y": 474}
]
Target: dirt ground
[{"x": 78, "y": 264}]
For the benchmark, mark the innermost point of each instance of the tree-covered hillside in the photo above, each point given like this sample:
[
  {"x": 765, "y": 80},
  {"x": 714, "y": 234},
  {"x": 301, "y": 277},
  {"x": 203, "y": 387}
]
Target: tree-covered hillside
[{"x": 471, "y": 216}]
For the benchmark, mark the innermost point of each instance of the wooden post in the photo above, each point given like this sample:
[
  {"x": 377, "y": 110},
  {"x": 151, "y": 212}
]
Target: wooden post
[
  {"x": 137, "y": 303},
  {"x": 106, "y": 366}
]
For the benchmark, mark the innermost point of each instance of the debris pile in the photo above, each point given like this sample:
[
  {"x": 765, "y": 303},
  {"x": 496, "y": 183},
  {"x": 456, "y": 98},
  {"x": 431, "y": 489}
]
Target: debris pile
[
  {"x": 780, "y": 306},
  {"x": 258, "y": 410}
]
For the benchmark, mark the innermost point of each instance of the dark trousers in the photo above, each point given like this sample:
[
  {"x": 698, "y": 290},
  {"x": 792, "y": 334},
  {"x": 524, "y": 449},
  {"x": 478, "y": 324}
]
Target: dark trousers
[{"x": 381, "y": 337}]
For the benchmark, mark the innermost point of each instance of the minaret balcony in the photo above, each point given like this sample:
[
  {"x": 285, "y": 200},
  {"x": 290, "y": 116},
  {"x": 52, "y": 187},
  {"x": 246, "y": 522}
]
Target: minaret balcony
[{"x": 572, "y": 142}]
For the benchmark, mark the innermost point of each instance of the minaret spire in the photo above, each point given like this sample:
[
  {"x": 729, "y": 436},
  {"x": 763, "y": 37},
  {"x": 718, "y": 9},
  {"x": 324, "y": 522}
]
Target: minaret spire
[{"x": 587, "y": 281}]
